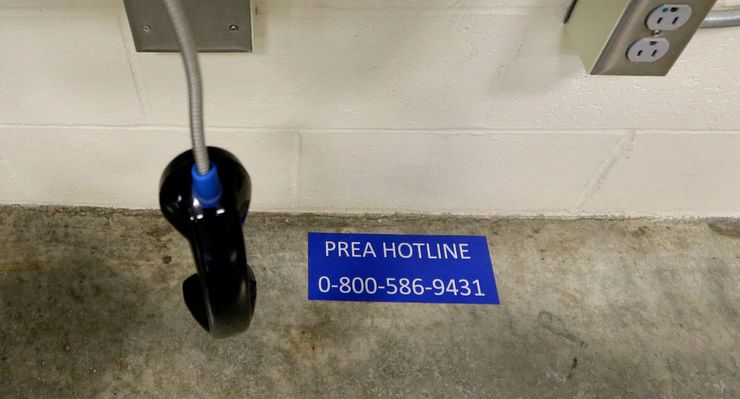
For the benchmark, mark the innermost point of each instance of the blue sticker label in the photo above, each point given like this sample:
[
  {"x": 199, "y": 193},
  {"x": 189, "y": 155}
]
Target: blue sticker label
[{"x": 400, "y": 268}]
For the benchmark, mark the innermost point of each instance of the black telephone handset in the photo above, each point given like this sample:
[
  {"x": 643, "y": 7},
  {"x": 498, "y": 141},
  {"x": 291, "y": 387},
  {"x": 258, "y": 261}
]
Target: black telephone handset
[{"x": 221, "y": 296}]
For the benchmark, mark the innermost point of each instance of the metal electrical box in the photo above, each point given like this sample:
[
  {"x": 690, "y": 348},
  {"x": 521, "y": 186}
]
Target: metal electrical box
[
  {"x": 217, "y": 25},
  {"x": 633, "y": 37}
]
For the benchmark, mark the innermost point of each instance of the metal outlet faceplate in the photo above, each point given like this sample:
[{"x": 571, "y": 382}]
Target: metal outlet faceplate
[
  {"x": 610, "y": 55},
  {"x": 633, "y": 27},
  {"x": 217, "y": 25}
]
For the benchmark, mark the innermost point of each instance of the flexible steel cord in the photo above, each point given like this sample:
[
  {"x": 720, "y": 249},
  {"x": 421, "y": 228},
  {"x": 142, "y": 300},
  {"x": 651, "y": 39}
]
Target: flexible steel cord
[{"x": 181, "y": 28}]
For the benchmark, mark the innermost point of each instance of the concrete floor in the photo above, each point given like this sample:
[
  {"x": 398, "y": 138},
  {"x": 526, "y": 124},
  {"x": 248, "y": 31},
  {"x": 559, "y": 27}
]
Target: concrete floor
[{"x": 90, "y": 306}]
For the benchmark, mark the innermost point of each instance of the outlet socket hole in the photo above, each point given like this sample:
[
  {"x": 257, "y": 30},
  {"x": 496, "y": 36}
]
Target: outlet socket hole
[
  {"x": 669, "y": 17},
  {"x": 648, "y": 50}
]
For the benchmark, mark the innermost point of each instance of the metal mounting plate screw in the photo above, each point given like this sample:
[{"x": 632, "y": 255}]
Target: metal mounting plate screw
[
  {"x": 233, "y": 27},
  {"x": 146, "y": 28}
]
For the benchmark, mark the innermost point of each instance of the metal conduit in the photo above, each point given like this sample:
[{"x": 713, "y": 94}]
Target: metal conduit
[{"x": 722, "y": 19}]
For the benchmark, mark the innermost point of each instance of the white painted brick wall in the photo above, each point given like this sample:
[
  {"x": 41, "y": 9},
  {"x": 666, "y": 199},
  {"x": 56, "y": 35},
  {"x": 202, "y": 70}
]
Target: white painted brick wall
[{"x": 460, "y": 106}]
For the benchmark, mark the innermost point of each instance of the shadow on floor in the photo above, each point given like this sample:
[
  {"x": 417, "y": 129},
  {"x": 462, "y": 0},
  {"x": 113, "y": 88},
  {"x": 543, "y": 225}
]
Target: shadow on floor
[{"x": 67, "y": 313}]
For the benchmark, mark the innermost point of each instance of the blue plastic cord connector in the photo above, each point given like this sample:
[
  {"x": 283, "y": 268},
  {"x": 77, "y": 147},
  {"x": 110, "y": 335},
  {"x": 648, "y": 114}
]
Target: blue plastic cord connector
[{"x": 207, "y": 187}]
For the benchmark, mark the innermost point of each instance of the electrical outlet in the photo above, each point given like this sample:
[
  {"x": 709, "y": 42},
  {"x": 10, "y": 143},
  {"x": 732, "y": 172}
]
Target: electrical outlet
[
  {"x": 633, "y": 37},
  {"x": 669, "y": 17},
  {"x": 648, "y": 49}
]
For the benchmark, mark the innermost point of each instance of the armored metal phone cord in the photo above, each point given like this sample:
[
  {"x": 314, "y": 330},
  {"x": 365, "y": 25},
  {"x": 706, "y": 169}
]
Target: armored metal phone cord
[{"x": 181, "y": 28}]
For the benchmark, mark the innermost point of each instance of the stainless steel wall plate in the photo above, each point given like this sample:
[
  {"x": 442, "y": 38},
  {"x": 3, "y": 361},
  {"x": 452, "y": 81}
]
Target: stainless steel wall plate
[
  {"x": 633, "y": 37},
  {"x": 218, "y": 25}
]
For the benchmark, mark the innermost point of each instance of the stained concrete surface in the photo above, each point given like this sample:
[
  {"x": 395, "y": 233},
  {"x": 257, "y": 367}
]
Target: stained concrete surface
[{"x": 91, "y": 306}]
